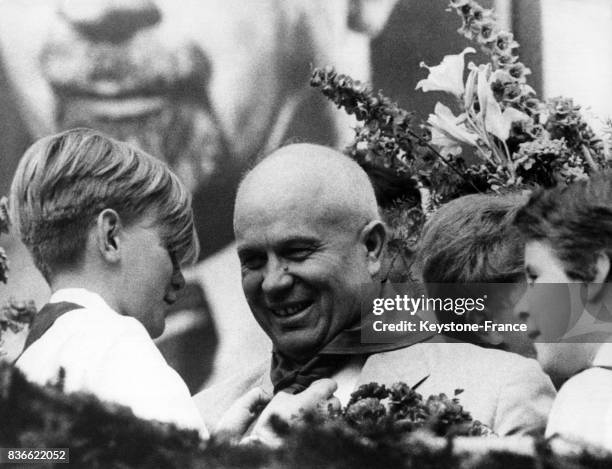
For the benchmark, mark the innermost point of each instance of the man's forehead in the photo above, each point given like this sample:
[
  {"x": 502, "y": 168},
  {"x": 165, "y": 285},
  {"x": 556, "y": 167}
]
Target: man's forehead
[
  {"x": 280, "y": 188},
  {"x": 290, "y": 192},
  {"x": 276, "y": 239},
  {"x": 277, "y": 225},
  {"x": 283, "y": 229},
  {"x": 268, "y": 215}
]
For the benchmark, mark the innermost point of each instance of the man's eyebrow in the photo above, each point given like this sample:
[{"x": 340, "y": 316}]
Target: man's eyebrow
[
  {"x": 301, "y": 239},
  {"x": 280, "y": 243}
]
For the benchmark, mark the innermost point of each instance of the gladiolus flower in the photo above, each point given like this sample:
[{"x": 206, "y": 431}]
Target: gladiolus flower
[
  {"x": 495, "y": 121},
  {"x": 470, "y": 87}
]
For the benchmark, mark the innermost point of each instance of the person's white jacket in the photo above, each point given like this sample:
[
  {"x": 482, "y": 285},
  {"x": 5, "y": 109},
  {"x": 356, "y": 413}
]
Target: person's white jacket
[
  {"x": 505, "y": 391},
  {"x": 583, "y": 407}
]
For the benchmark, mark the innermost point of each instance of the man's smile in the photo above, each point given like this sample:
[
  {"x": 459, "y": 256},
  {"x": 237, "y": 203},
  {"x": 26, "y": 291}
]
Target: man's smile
[{"x": 289, "y": 309}]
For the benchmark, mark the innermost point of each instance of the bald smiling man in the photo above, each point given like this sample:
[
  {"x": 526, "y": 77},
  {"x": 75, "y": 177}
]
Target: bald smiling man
[
  {"x": 310, "y": 242},
  {"x": 307, "y": 241}
]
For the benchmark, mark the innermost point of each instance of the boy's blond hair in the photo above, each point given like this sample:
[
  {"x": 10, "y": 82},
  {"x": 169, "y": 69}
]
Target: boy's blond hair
[{"x": 63, "y": 182}]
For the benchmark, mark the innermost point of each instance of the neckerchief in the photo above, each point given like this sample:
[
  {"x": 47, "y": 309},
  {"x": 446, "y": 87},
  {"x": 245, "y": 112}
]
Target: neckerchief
[
  {"x": 45, "y": 318},
  {"x": 293, "y": 377}
]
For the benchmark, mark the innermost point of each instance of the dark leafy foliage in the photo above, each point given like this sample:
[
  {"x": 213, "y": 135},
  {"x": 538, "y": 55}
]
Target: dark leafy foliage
[{"x": 102, "y": 435}]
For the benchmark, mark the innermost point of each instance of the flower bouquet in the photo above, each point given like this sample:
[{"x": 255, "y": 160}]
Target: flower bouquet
[
  {"x": 493, "y": 134},
  {"x": 375, "y": 410}
]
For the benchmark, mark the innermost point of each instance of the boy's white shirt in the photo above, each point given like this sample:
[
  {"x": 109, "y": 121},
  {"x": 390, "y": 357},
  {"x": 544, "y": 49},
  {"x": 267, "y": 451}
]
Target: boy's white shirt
[
  {"x": 113, "y": 357},
  {"x": 583, "y": 407}
]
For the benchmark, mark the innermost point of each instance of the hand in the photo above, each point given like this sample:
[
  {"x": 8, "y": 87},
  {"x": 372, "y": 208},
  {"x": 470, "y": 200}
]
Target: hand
[
  {"x": 318, "y": 397},
  {"x": 237, "y": 419}
]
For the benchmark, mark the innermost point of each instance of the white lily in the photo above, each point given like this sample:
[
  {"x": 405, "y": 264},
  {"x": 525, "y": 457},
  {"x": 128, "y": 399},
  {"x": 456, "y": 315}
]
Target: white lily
[
  {"x": 445, "y": 144},
  {"x": 470, "y": 85},
  {"x": 447, "y": 76},
  {"x": 448, "y": 131}
]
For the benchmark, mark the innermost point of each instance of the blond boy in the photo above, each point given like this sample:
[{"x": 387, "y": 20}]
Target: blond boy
[{"x": 109, "y": 227}]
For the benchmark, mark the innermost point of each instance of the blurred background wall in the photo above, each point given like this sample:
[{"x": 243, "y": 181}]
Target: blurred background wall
[
  {"x": 420, "y": 30},
  {"x": 577, "y": 52}
]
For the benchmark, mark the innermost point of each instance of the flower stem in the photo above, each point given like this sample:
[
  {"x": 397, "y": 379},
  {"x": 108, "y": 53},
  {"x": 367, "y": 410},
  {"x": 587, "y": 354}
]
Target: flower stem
[
  {"x": 441, "y": 158},
  {"x": 589, "y": 159}
]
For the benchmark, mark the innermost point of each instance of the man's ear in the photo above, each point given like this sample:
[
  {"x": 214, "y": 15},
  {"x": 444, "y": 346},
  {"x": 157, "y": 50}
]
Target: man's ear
[
  {"x": 107, "y": 235},
  {"x": 373, "y": 237},
  {"x": 369, "y": 16},
  {"x": 602, "y": 269}
]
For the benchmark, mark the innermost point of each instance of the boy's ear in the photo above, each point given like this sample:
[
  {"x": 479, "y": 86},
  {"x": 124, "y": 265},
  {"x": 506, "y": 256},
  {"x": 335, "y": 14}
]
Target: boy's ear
[
  {"x": 602, "y": 269},
  {"x": 107, "y": 234},
  {"x": 373, "y": 237}
]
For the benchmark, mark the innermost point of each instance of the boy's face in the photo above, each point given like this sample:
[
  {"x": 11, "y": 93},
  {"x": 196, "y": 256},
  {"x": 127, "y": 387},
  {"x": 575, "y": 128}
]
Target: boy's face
[
  {"x": 547, "y": 307},
  {"x": 150, "y": 276}
]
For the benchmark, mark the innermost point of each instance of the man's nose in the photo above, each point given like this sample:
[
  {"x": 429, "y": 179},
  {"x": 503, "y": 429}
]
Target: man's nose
[
  {"x": 109, "y": 20},
  {"x": 277, "y": 279}
]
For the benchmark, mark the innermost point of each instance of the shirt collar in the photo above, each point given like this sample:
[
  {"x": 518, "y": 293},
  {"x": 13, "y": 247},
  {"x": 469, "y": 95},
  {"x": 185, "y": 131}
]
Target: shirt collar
[
  {"x": 80, "y": 296},
  {"x": 603, "y": 357}
]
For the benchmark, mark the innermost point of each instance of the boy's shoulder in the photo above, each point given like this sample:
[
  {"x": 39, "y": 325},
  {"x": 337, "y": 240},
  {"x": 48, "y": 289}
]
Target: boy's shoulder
[
  {"x": 98, "y": 322},
  {"x": 594, "y": 381},
  {"x": 84, "y": 342},
  {"x": 94, "y": 331}
]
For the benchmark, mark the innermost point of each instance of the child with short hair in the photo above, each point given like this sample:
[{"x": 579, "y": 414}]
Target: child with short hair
[
  {"x": 109, "y": 227},
  {"x": 568, "y": 265}
]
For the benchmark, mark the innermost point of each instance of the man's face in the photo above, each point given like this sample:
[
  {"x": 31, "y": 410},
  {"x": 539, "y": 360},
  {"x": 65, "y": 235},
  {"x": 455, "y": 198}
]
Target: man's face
[
  {"x": 190, "y": 81},
  {"x": 303, "y": 276}
]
